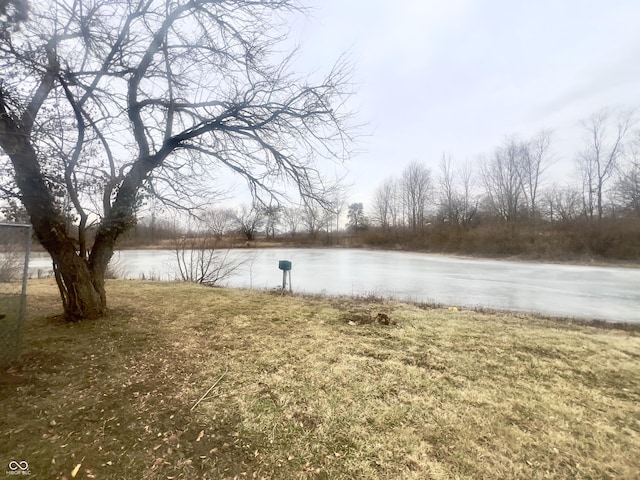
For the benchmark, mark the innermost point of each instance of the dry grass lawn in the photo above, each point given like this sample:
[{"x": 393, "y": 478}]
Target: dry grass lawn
[{"x": 309, "y": 388}]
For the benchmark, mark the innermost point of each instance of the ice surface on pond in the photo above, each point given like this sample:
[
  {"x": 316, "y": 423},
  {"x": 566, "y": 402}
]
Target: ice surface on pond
[{"x": 559, "y": 290}]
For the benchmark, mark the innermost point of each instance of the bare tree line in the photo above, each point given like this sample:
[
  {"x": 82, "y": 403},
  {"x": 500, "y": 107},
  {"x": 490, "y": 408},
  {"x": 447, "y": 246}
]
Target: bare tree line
[
  {"x": 512, "y": 184},
  {"x": 245, "y": 221}
]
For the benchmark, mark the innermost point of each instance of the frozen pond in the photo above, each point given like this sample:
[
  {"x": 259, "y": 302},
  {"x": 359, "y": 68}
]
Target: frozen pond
[{"x": 560, "y": 290}]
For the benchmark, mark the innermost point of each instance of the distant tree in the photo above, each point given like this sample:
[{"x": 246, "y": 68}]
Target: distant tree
[
  {"x": 598, "y": 161},
  {"x": 386, "y": 204},
  {"x": 219, "y": 221},
  {"x": 628, "y": 184},
  {"x": 103, "y": 101},
  {"x": 337, "y": 204},
  {"x": 292, "y": 217},
  {"x": 151, "y": 230},
  {"x": 628, "y": 190},
  {"x": 564, "y": 203},
  {"x": 314, "y": 217},
  {"x": 468, "y": 197},
  {"x": 455, "y": 189},
  {"x": 416, "y": 190},
  {"x": 450, "y": 202},
  {"x": 502, "y": 178},
  {"x": 536, "y": 159},
  {"x": 272, "y": 215},
  {"x": 357, "y": 219},
  {"x": 249, "y": 219}
]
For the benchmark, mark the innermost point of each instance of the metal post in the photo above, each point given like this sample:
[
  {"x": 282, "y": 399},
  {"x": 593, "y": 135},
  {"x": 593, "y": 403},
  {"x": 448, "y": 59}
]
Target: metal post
[
  {"x": 23, "y": 297},
  {"x": 11, "y": 336},
  {"x": 285, "y": 266}
]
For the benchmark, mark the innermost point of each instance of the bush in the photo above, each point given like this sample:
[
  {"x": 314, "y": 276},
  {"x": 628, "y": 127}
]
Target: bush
[
  {"x": 10, "y": 267},
  {"x": 613, "y": 239}
]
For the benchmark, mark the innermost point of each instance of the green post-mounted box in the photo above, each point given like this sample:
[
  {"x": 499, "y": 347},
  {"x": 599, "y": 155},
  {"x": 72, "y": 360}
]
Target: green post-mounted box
[{"x": 284, "y": 265}]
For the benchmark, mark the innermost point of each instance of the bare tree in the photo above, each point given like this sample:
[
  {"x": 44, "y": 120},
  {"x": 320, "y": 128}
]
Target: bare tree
[
  {"x": 468, "y": 197},
  {"x": 628, "y": 190},
  {"x": 457, "y": 205},
  {"x": 101, "y": 102},
  {"x": 598, "y": 161},
  {"x": 219, "y": 221},
  {"x": 314, "y": 217},
  {"x": 564, "y": 203},
  {"x": 536, "y": 159},
  {"x": 292, "y": 217},
  {"x": 151, "y": 230},
  {"x": 502, "y": 179},
  {"x": 338, "y": 202},
  {"x": 11, "y": 264},
  {"x": 249, "y": 219},
  {"x": 449, "y": 199},
  {"x": 386, "y": 204},
  {"x": 416, "y": 193},
  {"x": 628, "y": 184}
]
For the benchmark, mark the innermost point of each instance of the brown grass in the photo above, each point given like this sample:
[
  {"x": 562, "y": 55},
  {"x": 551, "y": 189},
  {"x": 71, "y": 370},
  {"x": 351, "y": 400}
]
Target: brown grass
[
  {"x": 314, "y": 388},
  {"x": 582, "y": 241}
]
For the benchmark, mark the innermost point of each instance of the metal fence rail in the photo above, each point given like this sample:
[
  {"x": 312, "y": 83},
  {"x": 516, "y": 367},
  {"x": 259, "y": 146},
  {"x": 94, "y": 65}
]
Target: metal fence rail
[{"x": 15, "y": 244}]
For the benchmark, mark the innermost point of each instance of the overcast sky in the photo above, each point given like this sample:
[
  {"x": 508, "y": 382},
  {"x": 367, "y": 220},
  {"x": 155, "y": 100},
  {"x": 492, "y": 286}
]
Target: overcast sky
[{"x": 460, "y": 75}]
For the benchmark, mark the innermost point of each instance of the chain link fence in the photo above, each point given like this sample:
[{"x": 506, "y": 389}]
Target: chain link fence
[{"x": 15, "y": 244}]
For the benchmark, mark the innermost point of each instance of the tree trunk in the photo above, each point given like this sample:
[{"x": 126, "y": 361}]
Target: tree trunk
[
  {"x": 81, "y": 289},
  {"x": 82, "y": 296}
]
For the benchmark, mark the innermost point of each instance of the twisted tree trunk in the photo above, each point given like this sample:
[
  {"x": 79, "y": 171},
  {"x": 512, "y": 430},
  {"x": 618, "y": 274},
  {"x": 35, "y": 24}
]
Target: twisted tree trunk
[{"x": 82, "y": 290}]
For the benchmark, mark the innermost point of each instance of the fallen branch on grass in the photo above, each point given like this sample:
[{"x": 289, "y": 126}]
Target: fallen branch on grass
[{"x": 208, "y": 391}]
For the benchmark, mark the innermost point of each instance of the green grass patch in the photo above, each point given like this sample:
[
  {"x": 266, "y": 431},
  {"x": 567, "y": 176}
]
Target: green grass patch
[{"x": 305, "y": 388}]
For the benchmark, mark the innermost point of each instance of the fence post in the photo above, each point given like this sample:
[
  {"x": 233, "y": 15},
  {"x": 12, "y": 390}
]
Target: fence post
[{"x": 14, "y": 266}]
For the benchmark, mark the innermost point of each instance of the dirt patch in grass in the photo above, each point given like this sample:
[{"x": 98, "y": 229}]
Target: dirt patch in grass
[{"x": 311, "y": 388}]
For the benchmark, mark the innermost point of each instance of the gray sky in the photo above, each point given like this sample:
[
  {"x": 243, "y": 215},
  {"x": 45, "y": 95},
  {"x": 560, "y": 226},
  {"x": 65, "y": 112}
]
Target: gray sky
[{"x": 460, "y": 75}]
